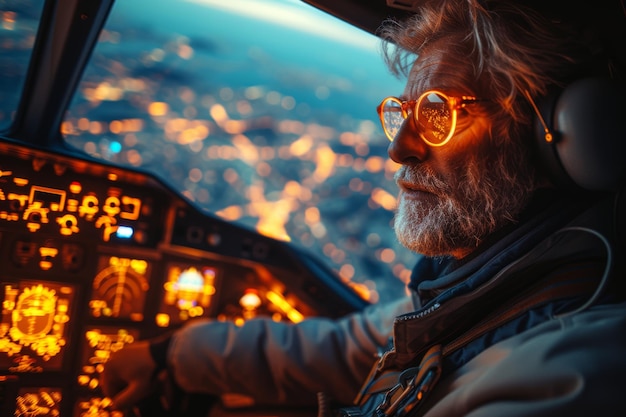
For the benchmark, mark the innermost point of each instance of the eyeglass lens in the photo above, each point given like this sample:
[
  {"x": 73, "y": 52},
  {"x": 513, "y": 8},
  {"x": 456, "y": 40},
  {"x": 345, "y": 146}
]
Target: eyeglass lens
[{"x": 434, "y": 117}]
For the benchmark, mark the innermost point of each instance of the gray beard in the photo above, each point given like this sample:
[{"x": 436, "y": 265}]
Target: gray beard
[{"x": 486, "y": 197}]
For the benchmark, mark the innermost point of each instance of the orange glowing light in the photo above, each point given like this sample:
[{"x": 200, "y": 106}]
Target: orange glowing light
[
  {"x": 67, "y": 128},
  {"x": 250, "y": 300},
  {"x": 162, "y": 320},
  {"x": 46, "y": 252},
  {"x": 234, "y": 127},
  {"x": 105, "y": 91},
  {"x": 218, "y": 113},
  {"x": 83, "y": 123},
  {"x": 231, "y": 213},
  {"x": 362, "y": 290},
  {"x": 193, "y": 134},
  {"x": 175, "y": 125},
  {"x": 292, "y": 188},
  {"x": 301, "y": 146},
  {"x": 8, "y": 17},
  {"x": 312, "y": 215},
  {"x": 274, "y": 231},
  {"x": 248, "y": 152},
  {"x": 75, "y": 187},
  {"x": 134, "y": 157},
  {"x": 391, "y": 166},
  {"x": 282, "y": 304},
  {"x": 96, "y": 128},
  {"x": 132, "y": 125},
  {"x": 384, "y": 199},
  {"x": 230, "y": 175},
  {"x": 325, "y": 159},
  {"x": 374, "y": 164},
  {"x": 185, "y": 51},
  {"x": 347, "y": 271},
  {"x": 295, "y": 127},
  {"x": 158, "y": 108},
  {"x": 138, "y": 265},
  {"x": 132, "y": 203},
  {"x": 115, "y": 127},
  {"x": 387, "y": 255}
]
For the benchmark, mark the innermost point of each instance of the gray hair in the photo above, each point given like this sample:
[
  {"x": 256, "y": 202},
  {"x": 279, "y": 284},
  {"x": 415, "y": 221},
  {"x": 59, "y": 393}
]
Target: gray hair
[{"x": 509, "y": 50}]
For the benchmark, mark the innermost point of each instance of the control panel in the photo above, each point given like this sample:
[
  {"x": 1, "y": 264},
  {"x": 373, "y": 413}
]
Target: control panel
[{"x": 95, "y": 257}]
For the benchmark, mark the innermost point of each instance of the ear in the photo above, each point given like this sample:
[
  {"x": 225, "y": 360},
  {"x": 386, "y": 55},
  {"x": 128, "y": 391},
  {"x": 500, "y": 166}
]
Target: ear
[{"x": 588, "y": 124}]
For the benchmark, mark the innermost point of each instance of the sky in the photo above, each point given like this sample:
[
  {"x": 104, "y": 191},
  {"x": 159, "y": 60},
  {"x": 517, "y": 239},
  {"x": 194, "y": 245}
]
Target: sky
[{"x": 296, "y": 15}]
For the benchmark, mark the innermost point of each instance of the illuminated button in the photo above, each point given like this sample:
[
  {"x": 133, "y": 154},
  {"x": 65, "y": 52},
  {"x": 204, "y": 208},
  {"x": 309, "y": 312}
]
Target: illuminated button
[
  {"x": 162, "y": 320},
  {"x": 83, "y": 380},
  {"x": 75, "y": 187},
  {"x": 250, "y": 300}
]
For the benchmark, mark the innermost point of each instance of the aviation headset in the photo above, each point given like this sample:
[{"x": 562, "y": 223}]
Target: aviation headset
[
  {"x": 581, "y": 130},
  {"x": 581, "y": 135}
]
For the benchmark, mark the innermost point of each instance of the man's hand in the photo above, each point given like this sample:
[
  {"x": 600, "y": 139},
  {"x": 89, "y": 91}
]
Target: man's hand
[{"x": 128, "y": 375}]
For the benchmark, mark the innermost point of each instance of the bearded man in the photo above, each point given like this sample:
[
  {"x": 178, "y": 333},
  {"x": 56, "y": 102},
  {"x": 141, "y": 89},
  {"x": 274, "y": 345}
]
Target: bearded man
[{"x": 515, "y": 310}]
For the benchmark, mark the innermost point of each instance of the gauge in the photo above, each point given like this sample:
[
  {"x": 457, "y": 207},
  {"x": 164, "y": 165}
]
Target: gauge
[
  {"x": 33, "y": 331},
  {"x": 119, "y": 288},
  {"x": 187, "y": 293}
]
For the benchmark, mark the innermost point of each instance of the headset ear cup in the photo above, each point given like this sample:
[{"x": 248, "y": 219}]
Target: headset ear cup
[{"x": 589, "y": 145}]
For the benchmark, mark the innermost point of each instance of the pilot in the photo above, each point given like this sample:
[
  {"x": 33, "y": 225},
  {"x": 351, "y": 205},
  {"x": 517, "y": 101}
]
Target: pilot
[{"x": 517, "y": 308}]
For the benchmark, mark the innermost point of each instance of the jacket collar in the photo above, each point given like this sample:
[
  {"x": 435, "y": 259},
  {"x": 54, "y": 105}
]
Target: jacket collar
[
  {"x": 548, "y": 212},
  {"x": 458, "y": 298}
]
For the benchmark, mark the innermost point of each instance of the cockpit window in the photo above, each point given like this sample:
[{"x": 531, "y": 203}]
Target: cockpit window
[
  {"x": 262, "y": 113},
  {"x": 19, "y": 20}
]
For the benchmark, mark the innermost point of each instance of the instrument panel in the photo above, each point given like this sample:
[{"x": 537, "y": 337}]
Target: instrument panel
[{"x": 95, "y": 257}]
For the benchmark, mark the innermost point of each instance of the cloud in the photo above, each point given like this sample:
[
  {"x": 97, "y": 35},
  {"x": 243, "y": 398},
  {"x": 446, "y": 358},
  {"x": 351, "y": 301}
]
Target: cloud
[{"x": 296, "y": 15}]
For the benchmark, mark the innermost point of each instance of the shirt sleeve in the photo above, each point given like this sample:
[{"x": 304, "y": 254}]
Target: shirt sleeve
[{"x": 271, "y": 362}]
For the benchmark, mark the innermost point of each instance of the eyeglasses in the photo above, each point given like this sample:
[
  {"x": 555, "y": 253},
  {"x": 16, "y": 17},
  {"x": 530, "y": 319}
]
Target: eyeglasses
[{"x": 434, "y": 112}]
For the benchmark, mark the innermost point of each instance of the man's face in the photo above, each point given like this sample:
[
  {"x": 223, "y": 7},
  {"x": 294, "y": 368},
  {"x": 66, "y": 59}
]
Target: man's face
[{"x": 451, "y": 197}]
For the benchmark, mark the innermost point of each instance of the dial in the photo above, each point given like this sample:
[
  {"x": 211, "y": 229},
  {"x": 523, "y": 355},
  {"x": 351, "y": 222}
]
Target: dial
[{"x": 119, "y": 288}]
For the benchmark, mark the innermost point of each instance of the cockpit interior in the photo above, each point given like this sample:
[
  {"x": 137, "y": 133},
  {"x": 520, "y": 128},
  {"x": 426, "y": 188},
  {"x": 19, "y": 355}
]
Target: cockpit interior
[
  {"x": 98, "y": 249},
  {"x": 151, "y": 176}
]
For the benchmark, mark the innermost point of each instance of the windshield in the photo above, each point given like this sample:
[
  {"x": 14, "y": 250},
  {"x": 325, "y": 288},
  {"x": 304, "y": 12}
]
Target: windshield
[
  {"x": 262, "y": 113},
  {"x": 19, "y": 20}
]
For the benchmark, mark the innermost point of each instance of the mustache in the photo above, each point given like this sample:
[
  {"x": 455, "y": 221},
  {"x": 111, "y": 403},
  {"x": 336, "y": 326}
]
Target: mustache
[{"x": 421, "y": 177}]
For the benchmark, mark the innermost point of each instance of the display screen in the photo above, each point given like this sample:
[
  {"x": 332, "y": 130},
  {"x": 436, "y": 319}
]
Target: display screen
[
  {"x": 119, "y": 288},
  {"x": 187, "y": 293},
  {"x": 34, "y": 327}
]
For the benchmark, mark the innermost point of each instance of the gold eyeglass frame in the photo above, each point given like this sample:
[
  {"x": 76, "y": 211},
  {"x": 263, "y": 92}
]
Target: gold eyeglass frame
[{"x": 454, "y": 103}]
